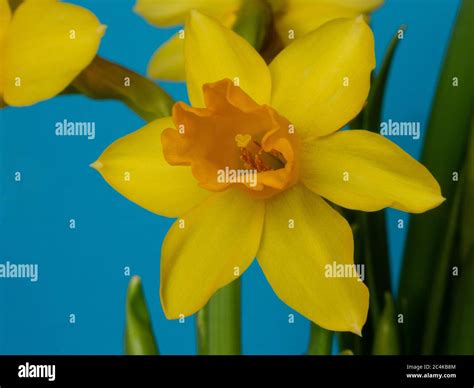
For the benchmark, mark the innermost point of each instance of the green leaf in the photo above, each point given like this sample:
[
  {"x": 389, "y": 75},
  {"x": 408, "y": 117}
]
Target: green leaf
[
  {"x": 467, "y": 218},
  {"x": 441, "y": 277},
  {"x": 373, "y": 112},
  {"x": 218, "y": 323},
  {"x": 443, "y": 155},
  {"x": 103, "y": 79},
  {"x": 254, "y": 21},
  {"x": 456, "y": 327},
  {"x": 387, "y": 339},
  {"x": 139, "y": 337},
  {"x": 320, "y": 340},
  {"x": 460, "y": 332}
]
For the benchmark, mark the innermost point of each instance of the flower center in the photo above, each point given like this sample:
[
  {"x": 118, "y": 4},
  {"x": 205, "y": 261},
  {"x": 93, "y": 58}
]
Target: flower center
[
  {"x": 254, "y": 157},
  {"x": 233, "y": 141}
]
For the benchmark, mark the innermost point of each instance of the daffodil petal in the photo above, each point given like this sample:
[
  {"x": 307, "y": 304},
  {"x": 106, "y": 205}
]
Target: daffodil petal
[
  {"x": 359, "y": 5},
  {"x": 209, "y": 247},
  {"x": 364, "y": 171},
  {"x": 5, "y": 17},
  {"x": 134, "y": 166},
  {"x": 47, "y": 45},
  {"x": 172, "y": 12},
  {"x": 213, "y": 53},
  {"x": 168, "y": 61},
  {"x": 294, "y": 22},
  {"x": 302, "y": 238},
  {"x": 321, "y": 81}
]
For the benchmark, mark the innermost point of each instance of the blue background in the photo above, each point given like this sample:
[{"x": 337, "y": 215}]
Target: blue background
[{"x": 81, "y": 271}]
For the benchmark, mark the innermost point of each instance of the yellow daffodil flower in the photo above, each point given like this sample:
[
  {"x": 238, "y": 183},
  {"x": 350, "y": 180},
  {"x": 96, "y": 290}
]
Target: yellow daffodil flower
[
  {"x": 44, "y": 45},
  {"x": 280, "y": 124},
  {"x": 293, "y": 19}
]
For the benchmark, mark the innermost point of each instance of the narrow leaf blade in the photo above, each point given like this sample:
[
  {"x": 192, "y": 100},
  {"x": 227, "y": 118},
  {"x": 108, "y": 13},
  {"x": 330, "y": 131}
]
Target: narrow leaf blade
[
  {"x": 443, "y": 155},
  {"x": 139, "y": 337}
]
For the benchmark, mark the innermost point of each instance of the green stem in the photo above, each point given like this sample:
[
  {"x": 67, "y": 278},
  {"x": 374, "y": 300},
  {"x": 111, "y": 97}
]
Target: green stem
[
  {"x": 103, "y": 79},
  {"x": 202, "y": 331},
  {"x": 254, "y": 22},
  {"x": 320, "y": 341},
  {"x": 218, "y": 323}
]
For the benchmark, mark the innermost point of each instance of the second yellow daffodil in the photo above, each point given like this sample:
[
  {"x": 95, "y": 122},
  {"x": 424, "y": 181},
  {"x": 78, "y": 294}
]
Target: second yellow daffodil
[
  {"x": 292, "y": 18},
  {"x": 44, "y": 45},
  {"x": 279, "y": 122}
]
